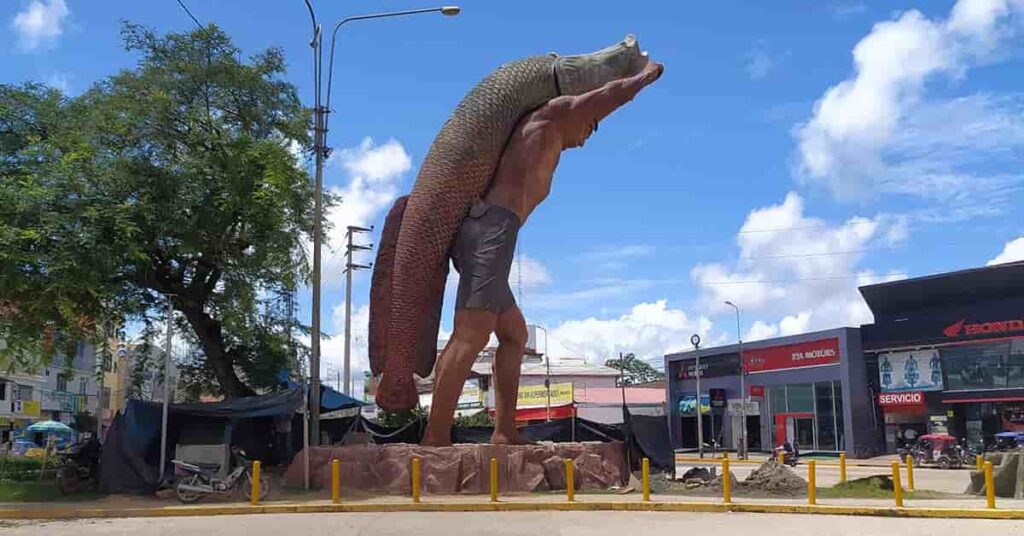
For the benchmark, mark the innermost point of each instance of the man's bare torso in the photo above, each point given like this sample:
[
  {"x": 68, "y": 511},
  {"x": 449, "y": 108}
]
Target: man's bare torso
[{"x": 523, "y": 178}]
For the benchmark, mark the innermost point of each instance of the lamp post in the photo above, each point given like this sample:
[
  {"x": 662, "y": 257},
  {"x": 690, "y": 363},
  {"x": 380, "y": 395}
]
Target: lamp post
[
  {"x": 743, "y": 384},
  {"x": 321, "y": 152},
  {"x": 695, "y": 341}
]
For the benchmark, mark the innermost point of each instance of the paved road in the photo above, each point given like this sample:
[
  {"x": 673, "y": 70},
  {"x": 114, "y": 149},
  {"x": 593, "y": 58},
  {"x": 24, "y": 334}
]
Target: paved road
[{"x": 521, "y": 524}]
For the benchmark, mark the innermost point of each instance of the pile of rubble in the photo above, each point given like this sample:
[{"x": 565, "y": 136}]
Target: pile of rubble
[{"x": 770, "y": 479}]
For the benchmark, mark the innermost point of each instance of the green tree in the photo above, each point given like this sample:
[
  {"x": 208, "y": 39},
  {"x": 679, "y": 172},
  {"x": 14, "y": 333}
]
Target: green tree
[
  {"x": 634, "y": 371},
  {"x": 174, "y": 179}
]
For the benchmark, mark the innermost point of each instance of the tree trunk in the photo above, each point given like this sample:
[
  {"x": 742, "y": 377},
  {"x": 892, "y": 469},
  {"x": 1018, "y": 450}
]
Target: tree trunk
[{"x": 211, "y": 338}]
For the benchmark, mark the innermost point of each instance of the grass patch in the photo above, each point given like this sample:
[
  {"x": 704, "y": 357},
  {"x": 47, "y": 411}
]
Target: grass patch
[
  {"x": 875, "y": 487},
  {"x": 33, "y": 491}
]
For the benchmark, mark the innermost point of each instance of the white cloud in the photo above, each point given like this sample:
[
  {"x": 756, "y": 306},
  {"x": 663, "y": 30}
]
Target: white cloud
[
  {"x": 1012, "y": 252},
  {"x": 761, "y": 330},
  {"x": 332, "y": 347},
  {"x": 878, "y": 131},
  {"x": 799, "y": 269},
  {"x": 649, "y": 330},
  {"x": 534, "y": 274},
  {"x": 42, "y": 22},
  {"x": 374, "y": 173}
]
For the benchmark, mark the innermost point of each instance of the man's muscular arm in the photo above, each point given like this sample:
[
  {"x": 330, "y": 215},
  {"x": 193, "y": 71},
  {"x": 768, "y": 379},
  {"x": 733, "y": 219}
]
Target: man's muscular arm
[{"x": 597, "y": 104}]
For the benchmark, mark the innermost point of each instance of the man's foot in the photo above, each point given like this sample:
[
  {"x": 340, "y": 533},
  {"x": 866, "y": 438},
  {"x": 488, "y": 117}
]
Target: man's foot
[
  {"x": 512, "y": 437},
  {"x": 430, "y": 440}
]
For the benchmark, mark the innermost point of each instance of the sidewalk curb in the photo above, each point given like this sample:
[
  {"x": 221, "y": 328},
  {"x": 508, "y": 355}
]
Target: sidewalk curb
[{"x": 697, "y": 507}]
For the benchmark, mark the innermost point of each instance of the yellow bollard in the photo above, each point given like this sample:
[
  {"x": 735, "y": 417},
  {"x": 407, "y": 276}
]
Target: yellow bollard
[
  {"x": 812, "y": 487},
  {"x": 725, "y": 455},
  {"x": 990, "y": 488},
  {"x": 726, "y": 482},
  {"x": 842, "y": 467},
  {"x": 979, "y": 462},
  {"x": 910, "y": 473},
  {"x": 415, "y": 480},
  {"x": 570, "y": 483},
  {"x": 897, "y": 487},
  {"x": 781, "y": 458},
  {"x": 255, "y": 483},
  {"x": 646, "y": 475},
  {"x": 335, "y": 481},
  {"x": 494, "y": 480}
]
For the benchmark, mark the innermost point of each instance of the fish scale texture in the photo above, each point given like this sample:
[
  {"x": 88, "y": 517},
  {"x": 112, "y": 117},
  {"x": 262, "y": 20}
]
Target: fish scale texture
[{"x": 456, "y": 171}]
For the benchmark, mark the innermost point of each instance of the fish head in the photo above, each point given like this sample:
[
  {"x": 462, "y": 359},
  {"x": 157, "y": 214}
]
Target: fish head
[{"x": 578, "y": 74}]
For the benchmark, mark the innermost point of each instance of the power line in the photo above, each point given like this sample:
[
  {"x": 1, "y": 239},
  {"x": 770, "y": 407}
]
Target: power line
[
  {"x": 193, "y": 17},
  {"x": 798, "y": 279}
]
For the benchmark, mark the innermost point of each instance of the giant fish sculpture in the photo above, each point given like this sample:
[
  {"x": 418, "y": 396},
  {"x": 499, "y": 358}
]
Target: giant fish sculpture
[{"x": 409, "y": 276}]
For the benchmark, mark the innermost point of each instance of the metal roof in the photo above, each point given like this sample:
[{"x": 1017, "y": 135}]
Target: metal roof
[{"x": 951, "y": 288}]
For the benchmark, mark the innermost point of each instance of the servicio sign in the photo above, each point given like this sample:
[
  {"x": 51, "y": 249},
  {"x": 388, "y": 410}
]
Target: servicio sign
[{"x": 909, "y": 398}]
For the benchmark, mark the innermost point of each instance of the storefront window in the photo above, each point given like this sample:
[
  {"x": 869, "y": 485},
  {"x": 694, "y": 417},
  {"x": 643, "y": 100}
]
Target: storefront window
[
  {"x": 978, "y": 366},
  {"x": 837, "y": 398},
  {"x": 825, "y": 416},
  {"x": 800, "y": 398},
  {"x": 1015, "y": 371}
]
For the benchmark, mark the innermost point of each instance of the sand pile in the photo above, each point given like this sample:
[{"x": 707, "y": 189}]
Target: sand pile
[{"x": 774, "y": 479}]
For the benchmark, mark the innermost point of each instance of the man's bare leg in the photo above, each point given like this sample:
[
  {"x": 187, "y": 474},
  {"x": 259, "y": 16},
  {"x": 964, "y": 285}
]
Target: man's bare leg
[
  {"x": 512, "y": 335},
  {"x": 473, "y": 329}
]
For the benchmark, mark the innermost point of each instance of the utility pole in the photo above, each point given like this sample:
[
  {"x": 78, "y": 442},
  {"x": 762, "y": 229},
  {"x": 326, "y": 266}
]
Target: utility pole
[
  {"x": 695, "y": 341},
  {"x": 167, "y": 389},
  {"x": 743, "y": 384},
  {"x": 349, "y": 268}
]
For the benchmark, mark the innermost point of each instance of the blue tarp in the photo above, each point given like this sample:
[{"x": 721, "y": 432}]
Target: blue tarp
[
  {"x": 131, "y": 451},
  {"x": 330, "y": 399}
]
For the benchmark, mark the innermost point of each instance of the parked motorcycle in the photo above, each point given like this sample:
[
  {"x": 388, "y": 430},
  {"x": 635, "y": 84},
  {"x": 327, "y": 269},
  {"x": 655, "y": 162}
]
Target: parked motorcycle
[
  {"x": 196, "y": 482},
  {"x": 79, "y": 469}
]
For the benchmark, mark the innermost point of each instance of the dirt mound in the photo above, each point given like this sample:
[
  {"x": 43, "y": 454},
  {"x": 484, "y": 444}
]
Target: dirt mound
[
  {"x": 774, "y": 479},
  {"x": 716, "y": 484}
]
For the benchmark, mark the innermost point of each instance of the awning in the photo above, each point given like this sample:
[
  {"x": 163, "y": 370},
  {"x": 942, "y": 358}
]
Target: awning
[
  {"x": 984, "y": 399},
  {"x": 995, "y": 395},
  {"x": 541, "y": 413}
]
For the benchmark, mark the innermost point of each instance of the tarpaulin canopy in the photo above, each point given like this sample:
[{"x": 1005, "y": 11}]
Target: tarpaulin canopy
[
  {"x": 131, "y": 452},
  {"x": 280, "y": 404}
]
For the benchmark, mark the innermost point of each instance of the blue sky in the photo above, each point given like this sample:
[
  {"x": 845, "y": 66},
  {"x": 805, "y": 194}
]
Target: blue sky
[{"x": 791, "y": 151}]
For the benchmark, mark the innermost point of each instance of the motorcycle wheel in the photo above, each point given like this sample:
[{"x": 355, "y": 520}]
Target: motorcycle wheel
[
  {"x": 944, "y": 462},
  {"x": 188, "y": 496},
  {"x": 246, "y": 484}
]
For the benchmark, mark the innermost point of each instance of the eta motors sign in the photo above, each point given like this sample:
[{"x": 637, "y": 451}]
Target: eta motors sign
[
  {"x": 791, "y": 356},
  {"x": 904, "y": 399}
]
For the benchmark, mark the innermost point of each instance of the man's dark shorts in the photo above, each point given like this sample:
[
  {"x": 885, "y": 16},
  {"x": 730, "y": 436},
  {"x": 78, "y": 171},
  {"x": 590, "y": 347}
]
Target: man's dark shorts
[{"x": 483, "y": 251}]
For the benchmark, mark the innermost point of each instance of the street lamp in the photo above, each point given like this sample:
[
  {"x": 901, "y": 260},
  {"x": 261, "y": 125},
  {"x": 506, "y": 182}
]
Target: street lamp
[
  {"x": 743, "y": 384},
  {"x": 321, "y": 152}
]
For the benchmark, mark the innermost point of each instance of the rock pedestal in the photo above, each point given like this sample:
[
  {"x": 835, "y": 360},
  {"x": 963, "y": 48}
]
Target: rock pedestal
[{"x": 465, "y": 469}]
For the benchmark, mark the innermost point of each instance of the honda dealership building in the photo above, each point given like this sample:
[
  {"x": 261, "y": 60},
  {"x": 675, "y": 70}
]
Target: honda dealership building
[{"x": 944, "y": 354}]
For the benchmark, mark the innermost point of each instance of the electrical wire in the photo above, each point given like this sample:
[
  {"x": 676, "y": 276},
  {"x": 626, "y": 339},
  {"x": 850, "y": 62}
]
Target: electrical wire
[{"x": 189, "y": 12}]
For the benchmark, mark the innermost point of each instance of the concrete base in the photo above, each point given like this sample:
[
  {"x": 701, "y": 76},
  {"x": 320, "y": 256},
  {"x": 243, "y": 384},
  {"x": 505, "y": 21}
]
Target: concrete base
[{"x": 465, "y": 469}]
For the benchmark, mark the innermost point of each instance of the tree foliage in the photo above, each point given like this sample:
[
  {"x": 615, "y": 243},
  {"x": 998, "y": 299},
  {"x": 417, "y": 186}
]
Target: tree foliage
[
  {"x": 175, "y": 179},
  {"x": 634, "y": 371}
]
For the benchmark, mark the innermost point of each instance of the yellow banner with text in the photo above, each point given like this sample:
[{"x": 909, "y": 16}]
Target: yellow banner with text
[{"x": 537, "y": 395}]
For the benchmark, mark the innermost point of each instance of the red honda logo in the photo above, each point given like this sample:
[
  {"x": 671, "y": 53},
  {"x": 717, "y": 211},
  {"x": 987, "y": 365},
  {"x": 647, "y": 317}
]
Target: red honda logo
[{"x": 955, "y": 329}]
